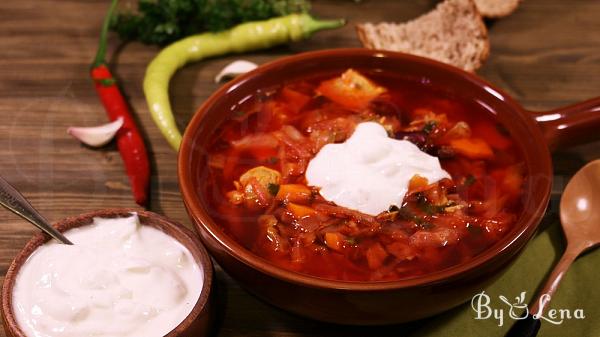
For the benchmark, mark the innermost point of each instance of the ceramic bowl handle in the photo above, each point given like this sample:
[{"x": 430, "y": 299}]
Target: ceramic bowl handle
[{"x": 571, "y": 125}]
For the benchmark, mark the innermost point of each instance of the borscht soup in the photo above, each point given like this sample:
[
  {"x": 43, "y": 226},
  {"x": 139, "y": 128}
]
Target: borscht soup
[{"x": 363, "y": 176}]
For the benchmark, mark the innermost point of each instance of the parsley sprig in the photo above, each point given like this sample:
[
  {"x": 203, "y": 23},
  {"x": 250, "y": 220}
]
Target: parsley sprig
[{"x": 164, "y": 21}]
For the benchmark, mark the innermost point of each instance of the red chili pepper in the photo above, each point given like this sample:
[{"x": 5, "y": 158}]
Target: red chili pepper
[{"x": 129, "y": 140}]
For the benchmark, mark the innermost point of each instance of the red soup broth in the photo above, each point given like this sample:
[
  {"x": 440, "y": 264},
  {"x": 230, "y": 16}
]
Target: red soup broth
[{"x": 281, "y": 219}]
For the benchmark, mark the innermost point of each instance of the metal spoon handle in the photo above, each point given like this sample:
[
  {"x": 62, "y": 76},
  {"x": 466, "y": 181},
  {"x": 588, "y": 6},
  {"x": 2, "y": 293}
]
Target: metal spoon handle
[{"x": 16, "y": 202}]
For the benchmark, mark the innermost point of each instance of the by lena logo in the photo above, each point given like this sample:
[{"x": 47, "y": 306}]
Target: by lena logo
[{"x": 482, "y": 305}]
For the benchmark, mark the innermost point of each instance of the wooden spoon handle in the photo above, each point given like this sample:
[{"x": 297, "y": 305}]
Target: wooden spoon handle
[
  {"x": 540, "y": 303},
  {"x": 530, "y": 325}
]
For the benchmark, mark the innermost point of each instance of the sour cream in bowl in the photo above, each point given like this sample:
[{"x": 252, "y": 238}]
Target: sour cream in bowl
[{"x": 127, "y": 274}]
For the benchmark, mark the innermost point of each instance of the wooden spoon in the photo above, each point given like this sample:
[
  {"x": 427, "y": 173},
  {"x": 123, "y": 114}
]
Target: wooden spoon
[{"x": 580, "y": 219}]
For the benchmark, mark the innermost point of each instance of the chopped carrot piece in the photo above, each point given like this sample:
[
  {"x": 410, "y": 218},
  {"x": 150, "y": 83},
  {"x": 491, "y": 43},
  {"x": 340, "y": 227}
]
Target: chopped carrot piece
[
  {"x": 474, "y": 148},
  {"x": 294, "y": 193},
  {"x": 334, "y": 241},
  {"x": 351, "y": 90},
  {"x": 376, "y": 254},
  {"x": 417, "y": 182},
  {"x": 295, "y": 99},
  {"x": 299, "y": 211},
  {"x": 491, "y": 135}
]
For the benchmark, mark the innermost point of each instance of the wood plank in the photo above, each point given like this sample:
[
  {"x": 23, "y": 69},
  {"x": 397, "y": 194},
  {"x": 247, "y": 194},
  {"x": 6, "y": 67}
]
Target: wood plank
[{"x": 547, "y": 54}]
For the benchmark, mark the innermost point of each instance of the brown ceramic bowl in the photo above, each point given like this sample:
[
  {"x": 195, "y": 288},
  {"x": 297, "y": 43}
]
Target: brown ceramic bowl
[
  {"x": 380, "y": 302},
  {"x": 197, "y": 323}
]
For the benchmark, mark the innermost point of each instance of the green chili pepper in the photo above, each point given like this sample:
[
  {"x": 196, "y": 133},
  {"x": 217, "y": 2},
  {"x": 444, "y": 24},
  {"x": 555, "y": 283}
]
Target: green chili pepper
[{"x": 242, "y": 38}]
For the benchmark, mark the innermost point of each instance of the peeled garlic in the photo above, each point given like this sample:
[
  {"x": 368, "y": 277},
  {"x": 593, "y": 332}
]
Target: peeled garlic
[
  {"x": 234, "y": 69},
  {"x": 96, "y": 136}
]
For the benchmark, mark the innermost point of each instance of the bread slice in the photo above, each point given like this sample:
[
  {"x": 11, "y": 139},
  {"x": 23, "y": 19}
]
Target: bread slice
[
  {"x": 452, "y": 33},
  {"x": 496, "y": 8}
]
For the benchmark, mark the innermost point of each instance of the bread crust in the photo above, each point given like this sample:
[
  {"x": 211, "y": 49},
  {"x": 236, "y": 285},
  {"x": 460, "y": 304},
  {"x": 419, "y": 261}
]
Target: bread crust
[
  {"x": 370, "y": 38},
  {"x": 490, "y": 8},
  {"x": 362, "y": 36},
  {"x": 485, "y": 53}
]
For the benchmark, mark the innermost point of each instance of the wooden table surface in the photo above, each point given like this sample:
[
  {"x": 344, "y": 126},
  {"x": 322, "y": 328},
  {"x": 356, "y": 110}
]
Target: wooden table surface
[{"x": 547, "y": 54}]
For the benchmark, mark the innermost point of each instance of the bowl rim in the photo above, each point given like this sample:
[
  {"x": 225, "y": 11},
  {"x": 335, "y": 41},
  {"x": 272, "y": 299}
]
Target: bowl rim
[
  {"x": 527, "y": 224},
  {"x": 190, "y": 241}
]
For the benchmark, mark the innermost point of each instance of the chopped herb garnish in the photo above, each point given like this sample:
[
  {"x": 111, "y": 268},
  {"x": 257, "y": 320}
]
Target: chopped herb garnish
[
  {"x": 470, "y": 180},
  {"x": 427, "y": 207},
  {"x": 430, "y": 209},
  {"x": 350, "y": 240},
  {"x": 239, "y": 113},
  {"x": 408, "y": 215},
  {"x": 429, "y": 126},
  {"x": 164, "y": 21},
  {"x": 273, "y": 188},
  {"x": 272, "y": 160}
]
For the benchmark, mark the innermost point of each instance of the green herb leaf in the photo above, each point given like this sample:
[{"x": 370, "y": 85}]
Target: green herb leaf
[
  {"x": 164, "y": 21},
  {"x": 429, "y": 126},
  {"x": 407, "y": 215},
  {"x": 350, "y": 240},
  {"x": 426, "y": 206},
  {"x": 429, "y": 209},
  {"x": 469, "y": 180},
  {"x": 273, "y": 189}
]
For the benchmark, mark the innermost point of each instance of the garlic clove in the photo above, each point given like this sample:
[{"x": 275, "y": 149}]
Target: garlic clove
[
  {"x": 96, "y": 136},
  {"x": 234, "y": 69}
]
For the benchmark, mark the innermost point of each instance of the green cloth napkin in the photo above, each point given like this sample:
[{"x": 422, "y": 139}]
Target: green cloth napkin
[{"x": 578, "y": 290}]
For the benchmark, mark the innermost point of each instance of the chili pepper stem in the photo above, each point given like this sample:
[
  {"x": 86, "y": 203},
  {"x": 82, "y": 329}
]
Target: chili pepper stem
[
  {"x": 101, "y": 53},
  {"x": 314, "y": 25}
]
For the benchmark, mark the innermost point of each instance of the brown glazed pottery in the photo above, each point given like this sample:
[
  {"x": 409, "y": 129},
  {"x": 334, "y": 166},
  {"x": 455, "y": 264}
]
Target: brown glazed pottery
[
  {"x": 197, "y": 323},
  {"x": 367, "y": 303}
]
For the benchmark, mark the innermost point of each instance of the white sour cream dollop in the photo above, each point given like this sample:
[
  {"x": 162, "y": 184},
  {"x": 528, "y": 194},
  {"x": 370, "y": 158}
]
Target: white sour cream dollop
[
  {"x": 119, "y": 279},
  {"x": 370, "y": 171}
]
